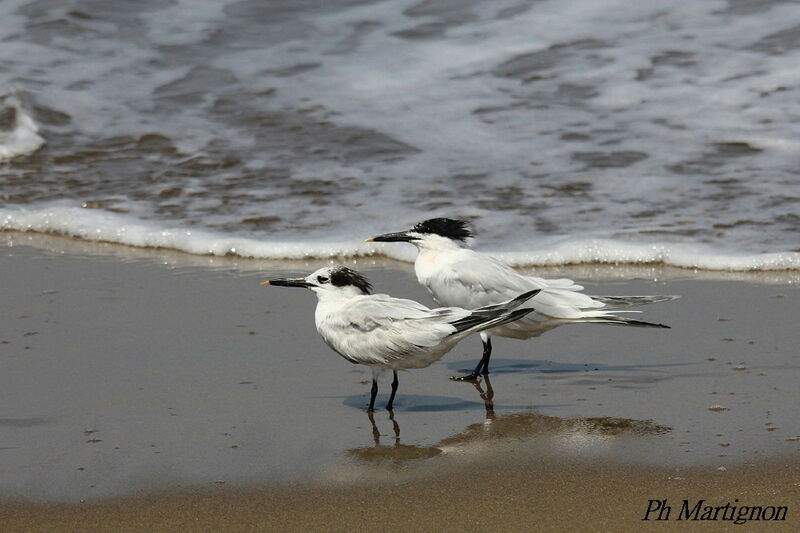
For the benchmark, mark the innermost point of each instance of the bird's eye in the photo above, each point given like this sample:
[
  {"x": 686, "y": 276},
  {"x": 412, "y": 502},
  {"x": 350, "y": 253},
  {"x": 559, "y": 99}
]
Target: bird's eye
[{"x": 322, "y": 279}]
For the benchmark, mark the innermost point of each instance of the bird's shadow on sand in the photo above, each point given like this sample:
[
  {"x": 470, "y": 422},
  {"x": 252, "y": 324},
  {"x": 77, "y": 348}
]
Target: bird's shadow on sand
[
  {"x": 516, "y": 366},
  {"x": 431, "y": 403}
]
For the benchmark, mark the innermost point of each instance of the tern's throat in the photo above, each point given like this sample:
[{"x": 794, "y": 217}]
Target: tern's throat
[{"x": 433, "y": 257}]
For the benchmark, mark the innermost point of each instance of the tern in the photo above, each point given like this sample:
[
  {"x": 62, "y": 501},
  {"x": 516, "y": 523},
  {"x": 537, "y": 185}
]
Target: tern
[
  {"x": 386, "y": 333},
  {"x": 458, "y": 276}
]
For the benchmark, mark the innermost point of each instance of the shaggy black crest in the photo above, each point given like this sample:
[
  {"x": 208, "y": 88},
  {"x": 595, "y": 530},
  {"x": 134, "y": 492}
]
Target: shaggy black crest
[
  {"x": 343, "y": 276},
  {"x": 446, "y": 227}
]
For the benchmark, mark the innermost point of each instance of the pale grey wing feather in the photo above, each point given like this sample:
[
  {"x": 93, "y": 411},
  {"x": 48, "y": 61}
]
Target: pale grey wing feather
[
  {"x": 379, "y": 329},
  {"x": 476, "y": 280},
  {"x": 469, "y": 280}
]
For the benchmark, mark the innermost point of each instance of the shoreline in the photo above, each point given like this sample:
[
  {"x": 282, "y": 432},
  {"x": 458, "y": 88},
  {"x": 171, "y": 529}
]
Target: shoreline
[
  {"x": 64, "y": 244},
  {"x": 401, "y": 255}
]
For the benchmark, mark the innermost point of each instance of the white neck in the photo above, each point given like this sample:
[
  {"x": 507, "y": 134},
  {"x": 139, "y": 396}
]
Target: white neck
[
  {"x": 436, "y": 243},
  {"x": 337, "y": 293}
]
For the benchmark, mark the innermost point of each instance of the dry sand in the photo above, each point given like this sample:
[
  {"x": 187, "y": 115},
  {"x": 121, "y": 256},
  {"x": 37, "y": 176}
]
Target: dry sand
[{"x": 151, "y": 390}]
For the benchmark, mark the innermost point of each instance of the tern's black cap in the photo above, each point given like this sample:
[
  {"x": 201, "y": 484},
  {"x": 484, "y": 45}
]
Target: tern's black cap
[
  {"x": 446, "y": 227},
  {"x": 343, "y": 276}
]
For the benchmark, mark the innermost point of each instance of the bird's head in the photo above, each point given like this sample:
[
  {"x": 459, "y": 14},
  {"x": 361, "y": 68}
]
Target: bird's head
[
  {"x": 431, "y": 233},
  {"x": 328, "y": 281}
]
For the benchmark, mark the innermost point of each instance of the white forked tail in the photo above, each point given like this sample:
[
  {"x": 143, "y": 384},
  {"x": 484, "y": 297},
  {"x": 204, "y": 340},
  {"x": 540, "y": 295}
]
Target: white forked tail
[
  {"x": 613, "y": 303},
  {"x": 620, "y": 302}
]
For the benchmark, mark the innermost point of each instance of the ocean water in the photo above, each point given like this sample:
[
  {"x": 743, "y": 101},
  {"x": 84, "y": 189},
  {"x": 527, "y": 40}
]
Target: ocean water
[{"x": 566, "y": 132}]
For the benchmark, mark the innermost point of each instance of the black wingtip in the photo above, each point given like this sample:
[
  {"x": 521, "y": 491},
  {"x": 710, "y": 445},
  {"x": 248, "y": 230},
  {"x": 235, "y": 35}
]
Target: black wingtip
[
  {"x": 527, "y": 295},
  {"x": 518, "y": 313}
]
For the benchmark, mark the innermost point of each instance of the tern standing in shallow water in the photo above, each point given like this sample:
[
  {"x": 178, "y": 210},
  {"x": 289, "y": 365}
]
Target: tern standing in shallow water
[
  {"x": 461, "y": 277},
  {"x": 386, "y": 333}
]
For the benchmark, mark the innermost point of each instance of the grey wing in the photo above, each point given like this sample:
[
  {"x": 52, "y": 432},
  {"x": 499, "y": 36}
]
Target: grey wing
[
  {"x": 471, "y": 280},
  {"x": 382, "y": 330},
  {"x": 481, "y": 280}
]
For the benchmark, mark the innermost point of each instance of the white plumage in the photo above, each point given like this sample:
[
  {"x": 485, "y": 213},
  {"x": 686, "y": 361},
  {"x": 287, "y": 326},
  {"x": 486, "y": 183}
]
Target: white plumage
[
  {"x": 387, "y": 333},
  {"x": 461, "y": 277}
]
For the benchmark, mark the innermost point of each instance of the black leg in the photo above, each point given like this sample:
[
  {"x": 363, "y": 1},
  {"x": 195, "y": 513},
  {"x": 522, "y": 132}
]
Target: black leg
[
  {"x": 487, "y": 353},
  {"x": 374, "y": 394},
  {"x": 483, "y": 364},
  {"x": 394, "y": 390}
]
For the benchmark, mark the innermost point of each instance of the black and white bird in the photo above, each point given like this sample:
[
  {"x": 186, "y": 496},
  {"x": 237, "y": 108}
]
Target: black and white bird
[
  {"x": 386, "y": 333},
  {"x": 457, "y": 276}
]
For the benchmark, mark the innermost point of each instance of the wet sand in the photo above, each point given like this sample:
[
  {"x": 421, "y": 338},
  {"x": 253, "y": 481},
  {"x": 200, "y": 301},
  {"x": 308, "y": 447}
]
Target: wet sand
[
  {"x": 528, "y": 497},
  {"x": 161, "y": 390}
]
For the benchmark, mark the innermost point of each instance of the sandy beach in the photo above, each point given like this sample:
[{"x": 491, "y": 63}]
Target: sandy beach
[
  {"x": 153, "y": 390},
  {"x": 528, "y": 497}
]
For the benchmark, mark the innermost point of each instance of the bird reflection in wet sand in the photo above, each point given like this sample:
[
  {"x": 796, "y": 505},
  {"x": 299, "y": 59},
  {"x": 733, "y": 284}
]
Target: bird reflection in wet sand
[
  {"x": 486, "y": 436},
  {"x": 486, "y": 395},
  {"x": 396, "y": 453}
]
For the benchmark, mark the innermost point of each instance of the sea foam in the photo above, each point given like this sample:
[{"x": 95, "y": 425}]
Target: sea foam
[
  {"x": 102, "y": 226},
  {"x": 564, "y": 131}
]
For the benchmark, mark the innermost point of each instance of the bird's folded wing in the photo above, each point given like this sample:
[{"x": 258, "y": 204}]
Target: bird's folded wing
[
  {"x": 472, "y": 280},
  {"x": 481, "y": 280},
  {"x": 379, "y": 328}
]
